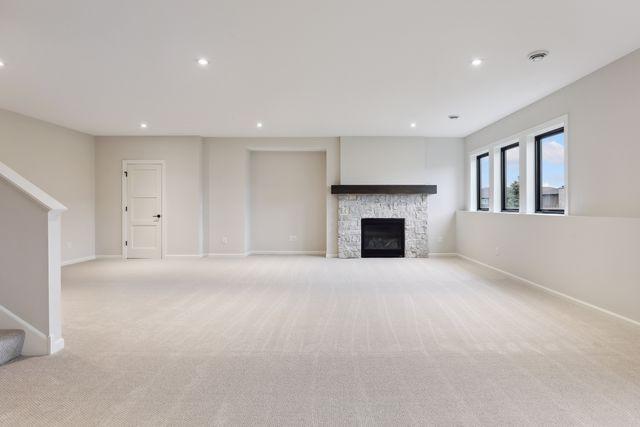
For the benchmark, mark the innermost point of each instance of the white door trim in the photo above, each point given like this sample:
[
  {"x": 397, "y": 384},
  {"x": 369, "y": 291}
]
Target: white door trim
[{"x": 125, "y": 165}]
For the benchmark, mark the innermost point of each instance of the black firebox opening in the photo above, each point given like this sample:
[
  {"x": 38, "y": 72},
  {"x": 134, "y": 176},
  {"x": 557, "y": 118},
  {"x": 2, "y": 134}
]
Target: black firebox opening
[{"x": 382, "y": 237}]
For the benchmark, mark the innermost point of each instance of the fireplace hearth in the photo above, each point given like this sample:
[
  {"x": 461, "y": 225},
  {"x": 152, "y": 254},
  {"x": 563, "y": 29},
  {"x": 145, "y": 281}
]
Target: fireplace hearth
[{"x": 382, "y": 237}]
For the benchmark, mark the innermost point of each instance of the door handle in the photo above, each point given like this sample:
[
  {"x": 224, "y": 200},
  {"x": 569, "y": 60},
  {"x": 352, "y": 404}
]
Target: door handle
[{"x": 157, "y": 216}]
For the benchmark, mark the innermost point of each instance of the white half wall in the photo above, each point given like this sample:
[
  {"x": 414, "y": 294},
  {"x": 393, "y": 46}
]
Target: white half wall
[
  {"x": 593, "y": 259},
  {"x": 288, "y": 202},
  {"x": 184, "y": 192},
  {"x": 61, "y": 162},
  {"x": 30, "y": 233},
  {"x": 24, "y": 265}
]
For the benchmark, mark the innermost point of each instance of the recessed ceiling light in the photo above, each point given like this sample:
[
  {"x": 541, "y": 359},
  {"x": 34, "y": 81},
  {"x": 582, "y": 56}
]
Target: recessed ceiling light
[
  {"x": 144, "y": 125},
  {"x": 476, "y": 62},
  {"x": 1, "y": 63},
  {"x": 454, "y": 116},
  {"x": 203, "y": 62},
  {"x": 538, "y": 55},
  {"x": 413, "y": 125},
  {"x": 259, "y": 124}
]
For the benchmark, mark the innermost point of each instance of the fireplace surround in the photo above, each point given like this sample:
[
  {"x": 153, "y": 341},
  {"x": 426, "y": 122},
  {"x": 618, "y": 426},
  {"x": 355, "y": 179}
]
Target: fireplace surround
[
  {"x": 362, "y": 202},
  {"x": 352, "y": 208}
]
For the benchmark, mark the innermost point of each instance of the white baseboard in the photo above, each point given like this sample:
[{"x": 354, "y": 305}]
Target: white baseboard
[
  {"x": 55, "y": 344},
  {"x": 36, "y": 343},
  {"x": 551, "y": 291},
  {"x": 286, "y": 253},
  {"x": 224, "y": 255},
  {"x": 166, "y": 256},
  {"x": 331, "y": 255},
  {"x": 78, "y": 260},
  {"x": 185, "y": 256}
]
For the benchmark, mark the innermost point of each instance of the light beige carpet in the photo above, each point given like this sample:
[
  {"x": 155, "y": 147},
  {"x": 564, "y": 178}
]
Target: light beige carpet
[{"x": 311, "y": 341}]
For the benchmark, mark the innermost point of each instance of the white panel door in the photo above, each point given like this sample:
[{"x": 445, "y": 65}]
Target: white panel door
[{"x": 144, "y": 210}]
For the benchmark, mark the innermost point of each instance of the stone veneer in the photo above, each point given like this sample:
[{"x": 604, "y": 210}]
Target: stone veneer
[{"x": 353, "y": 207}]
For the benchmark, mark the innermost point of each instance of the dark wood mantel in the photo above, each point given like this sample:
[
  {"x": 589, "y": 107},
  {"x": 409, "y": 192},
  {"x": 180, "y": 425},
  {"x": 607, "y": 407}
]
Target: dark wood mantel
[{"x": 384, "y": 189}]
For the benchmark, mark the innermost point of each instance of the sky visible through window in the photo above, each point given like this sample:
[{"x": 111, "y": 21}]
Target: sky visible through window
[
  {"x": 552, "y": 194},
  {"x": 552, "y": 161},
  {"x": 484, "y": 182},
  {"x": 513, "y": 165},
  {"x": 512, "y": 178}
]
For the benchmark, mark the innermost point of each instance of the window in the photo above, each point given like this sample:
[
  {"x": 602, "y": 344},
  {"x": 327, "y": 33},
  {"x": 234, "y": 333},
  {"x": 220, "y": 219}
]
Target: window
[
  {"x": 482, "y": 181},
  {"x": 550, "y": 185},
  {"x": 510, "y": 169},
  {"x": 525, "y": 172}
]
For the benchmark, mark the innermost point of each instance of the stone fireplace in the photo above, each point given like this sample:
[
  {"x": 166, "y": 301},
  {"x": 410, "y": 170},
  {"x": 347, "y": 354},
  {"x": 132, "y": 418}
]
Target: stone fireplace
[{"x": 359, "y": 203}]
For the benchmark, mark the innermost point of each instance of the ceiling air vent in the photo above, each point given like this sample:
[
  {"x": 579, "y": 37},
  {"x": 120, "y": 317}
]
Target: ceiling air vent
[{"x": 538, "y": 55}]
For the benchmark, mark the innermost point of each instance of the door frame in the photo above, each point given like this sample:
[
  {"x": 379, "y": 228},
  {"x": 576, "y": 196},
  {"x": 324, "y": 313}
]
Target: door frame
[{"x": 125, "y": 224}]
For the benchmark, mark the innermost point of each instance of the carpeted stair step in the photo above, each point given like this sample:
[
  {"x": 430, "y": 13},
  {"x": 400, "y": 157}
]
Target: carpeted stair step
[{"x": 11, "y": 342}]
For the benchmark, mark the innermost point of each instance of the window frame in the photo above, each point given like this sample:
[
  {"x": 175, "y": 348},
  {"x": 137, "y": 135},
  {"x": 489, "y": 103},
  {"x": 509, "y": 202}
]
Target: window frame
[
  {"x": 503, "y": 177},
  {"x": 479, "y": 157},
  {"x": 538, "y": 170}
]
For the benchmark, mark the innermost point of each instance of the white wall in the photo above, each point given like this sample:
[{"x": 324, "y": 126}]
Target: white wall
[
  {"x": 593, "y": 259},
  {"x": 184, "y": 192},
  {"x": 412, "y": 160},
  {"x": 228, "y": 188},
  {"x": 288, "y": 198},
  {"x": 383, "y": 160},
  {"x": 221, "y": 168},
  {"x": 60, "y": 161},
  {"x": 445, "y": 168},
  {"x": 592, "y": 256},
  {"x": 208, "y": 186}
]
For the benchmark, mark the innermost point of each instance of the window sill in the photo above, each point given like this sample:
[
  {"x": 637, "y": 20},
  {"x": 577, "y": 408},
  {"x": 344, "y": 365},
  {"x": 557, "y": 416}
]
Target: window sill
[
  {"x": 547, "y": 214},
  {"x": 519, "y": 213}
]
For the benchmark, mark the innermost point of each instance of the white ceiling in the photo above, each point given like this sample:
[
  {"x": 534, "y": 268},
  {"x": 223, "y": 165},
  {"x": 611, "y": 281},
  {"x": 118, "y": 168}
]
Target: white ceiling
[{"x": 303, "y": 67}]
